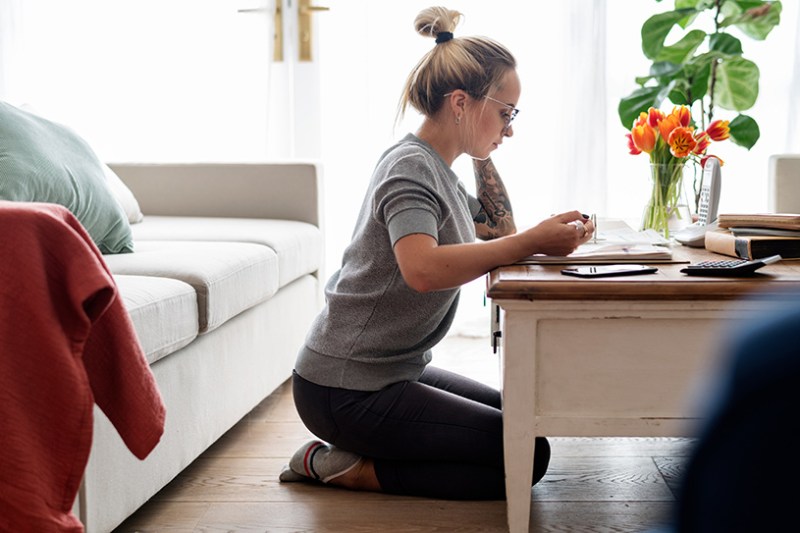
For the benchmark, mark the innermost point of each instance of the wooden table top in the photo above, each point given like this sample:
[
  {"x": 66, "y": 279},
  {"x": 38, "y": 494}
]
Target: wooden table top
[{"x": 545, "y": 282}]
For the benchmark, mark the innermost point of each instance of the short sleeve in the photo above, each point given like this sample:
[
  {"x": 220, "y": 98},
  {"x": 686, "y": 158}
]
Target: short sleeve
[
  {"x": 405, "y": 207},
  {"x": 412, "y": 221}
]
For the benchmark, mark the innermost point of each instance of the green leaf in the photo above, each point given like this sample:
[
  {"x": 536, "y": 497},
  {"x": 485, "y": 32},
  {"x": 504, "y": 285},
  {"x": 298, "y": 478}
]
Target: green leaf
[
  {"x": 735, "y": 8},
  {"x": 759, "y": 27},
  {"x": 699, "y": 73},
  {"x": 744, "y": 131},
  {"x": 683, "y": 49},
  {"x": 698, "y": 5},
  {"x": 661, "y": 69},
  {"x": 655, "y": 31},
  {"x": 744, "y": 5},
  {"x": 691, "y": 83},
  {"x": 725, "y": 43},
  {"x": 639, "y": 100},
  {"x": 663, "y": 72},
  {"x": 665, "y": 90},
  {"x": 733, "y": 11},
  {"x": 679, "y": 95},
  {"x": 737, "y": 84},
  {"x": 685, "y": 4},
  {"x": 694, "y": 5}
]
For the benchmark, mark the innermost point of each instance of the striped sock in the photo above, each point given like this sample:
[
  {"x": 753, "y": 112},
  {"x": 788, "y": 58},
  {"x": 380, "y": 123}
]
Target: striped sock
[{"x": 319, "y": 461}]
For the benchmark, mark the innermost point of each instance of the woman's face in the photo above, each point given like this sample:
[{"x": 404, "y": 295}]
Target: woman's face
[{"x": 493, "y": 116}]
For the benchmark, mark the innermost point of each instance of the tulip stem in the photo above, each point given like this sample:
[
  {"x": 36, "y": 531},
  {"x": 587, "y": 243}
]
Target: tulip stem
[{"x": 667, "y": 181}]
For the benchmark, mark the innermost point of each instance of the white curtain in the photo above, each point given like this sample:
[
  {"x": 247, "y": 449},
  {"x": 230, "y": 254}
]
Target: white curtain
[
  {"x": 177, "y": 80},
  {"x": 10, "y": 28},
  {"x": 793, "y": 129},
  {"x": 583, "y": 97}
]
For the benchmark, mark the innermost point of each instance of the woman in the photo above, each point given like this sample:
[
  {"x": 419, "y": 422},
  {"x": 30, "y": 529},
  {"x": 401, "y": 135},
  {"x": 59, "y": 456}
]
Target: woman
[{"x": 362, "y": 381}]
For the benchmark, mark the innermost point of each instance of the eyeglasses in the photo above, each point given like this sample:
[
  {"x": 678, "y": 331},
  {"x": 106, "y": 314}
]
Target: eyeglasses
[{"x": 508, "y": 117}]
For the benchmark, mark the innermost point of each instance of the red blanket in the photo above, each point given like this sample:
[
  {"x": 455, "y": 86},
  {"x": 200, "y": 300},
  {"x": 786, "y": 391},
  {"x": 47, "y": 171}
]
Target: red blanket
[{"x": 66, "y": 342}]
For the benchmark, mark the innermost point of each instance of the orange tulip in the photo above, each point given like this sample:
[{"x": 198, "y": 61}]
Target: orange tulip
[
  {"x": 681, "y": 142},
  {"x": 669, "y": 123},
  {"x": 683, "y": 115},
  {"x": 719, "y": 130},
  {"x": 641, "y": 120},
  {"x": 703, "y": 142},
  {"x": 631, "y": 146},
  {"x": 654, "y": 116},
  {"x": 644, "y": 138},
  {"x": 706, "y": 158}
]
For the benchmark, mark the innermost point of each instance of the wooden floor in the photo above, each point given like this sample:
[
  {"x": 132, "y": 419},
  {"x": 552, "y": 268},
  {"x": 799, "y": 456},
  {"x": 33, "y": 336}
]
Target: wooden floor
[{"x": 593, "y": 485}]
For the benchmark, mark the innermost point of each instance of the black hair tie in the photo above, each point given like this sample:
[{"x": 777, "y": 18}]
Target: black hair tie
[{"x": 443, "y": 36}]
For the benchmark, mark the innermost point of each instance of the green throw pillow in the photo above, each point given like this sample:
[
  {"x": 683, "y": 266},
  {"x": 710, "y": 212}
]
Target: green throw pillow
[{"x": 41, "y": 161}]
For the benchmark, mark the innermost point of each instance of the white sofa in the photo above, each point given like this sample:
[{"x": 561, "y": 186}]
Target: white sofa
[{"x": 221, "y": 288}]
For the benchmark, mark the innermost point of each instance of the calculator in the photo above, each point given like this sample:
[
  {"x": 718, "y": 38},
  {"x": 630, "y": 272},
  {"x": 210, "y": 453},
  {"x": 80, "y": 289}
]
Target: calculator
[{"x": 729, "y": 267}]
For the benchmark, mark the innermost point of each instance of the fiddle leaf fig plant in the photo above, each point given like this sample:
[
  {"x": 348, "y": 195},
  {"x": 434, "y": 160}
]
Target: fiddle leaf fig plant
[{"x": 705, "y": 68}]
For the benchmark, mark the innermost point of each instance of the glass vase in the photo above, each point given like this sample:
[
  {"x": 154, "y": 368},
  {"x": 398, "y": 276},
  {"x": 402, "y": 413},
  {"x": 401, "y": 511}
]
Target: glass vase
[{"x": 667, "y": 208}]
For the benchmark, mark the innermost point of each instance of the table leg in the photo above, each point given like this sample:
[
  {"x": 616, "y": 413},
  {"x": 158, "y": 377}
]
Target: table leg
[{"x": 519, "y": 416}]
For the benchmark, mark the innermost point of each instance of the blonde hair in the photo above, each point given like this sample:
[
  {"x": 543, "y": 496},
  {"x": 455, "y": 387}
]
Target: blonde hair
[{"x": 473, "y": 64}]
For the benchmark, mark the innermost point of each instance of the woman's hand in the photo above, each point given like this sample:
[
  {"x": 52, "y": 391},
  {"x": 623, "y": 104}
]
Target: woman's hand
[{"x": 559, "y": 234}]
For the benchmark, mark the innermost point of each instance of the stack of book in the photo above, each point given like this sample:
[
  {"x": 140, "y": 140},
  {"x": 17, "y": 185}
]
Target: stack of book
[{"x": 756, "y": 236}]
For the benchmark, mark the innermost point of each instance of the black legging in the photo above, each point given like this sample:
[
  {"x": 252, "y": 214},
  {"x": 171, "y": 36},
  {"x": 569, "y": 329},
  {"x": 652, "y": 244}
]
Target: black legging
[{"x": 439, "y": 437}]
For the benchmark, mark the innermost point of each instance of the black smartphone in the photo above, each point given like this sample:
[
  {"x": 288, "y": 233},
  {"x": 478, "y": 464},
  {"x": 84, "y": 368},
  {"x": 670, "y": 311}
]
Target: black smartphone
[{"x": 604, "y": 271}]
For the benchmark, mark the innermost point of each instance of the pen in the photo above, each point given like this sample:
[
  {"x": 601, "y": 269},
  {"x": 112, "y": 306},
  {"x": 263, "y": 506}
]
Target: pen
[{"x": 594, "y": 223}]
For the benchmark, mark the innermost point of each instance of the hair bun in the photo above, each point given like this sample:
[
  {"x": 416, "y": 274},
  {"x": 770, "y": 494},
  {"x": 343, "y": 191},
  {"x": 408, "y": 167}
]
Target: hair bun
[{"x": 437, "y": 22}]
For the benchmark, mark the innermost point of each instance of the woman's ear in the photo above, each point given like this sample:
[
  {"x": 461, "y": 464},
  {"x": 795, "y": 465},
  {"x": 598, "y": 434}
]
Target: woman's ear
[
  {"x": 458, "y": 103},
  {"x": 459, "y": 100}
]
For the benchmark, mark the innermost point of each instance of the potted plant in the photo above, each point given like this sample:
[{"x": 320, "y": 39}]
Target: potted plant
[{"x": 703, "y": 70}]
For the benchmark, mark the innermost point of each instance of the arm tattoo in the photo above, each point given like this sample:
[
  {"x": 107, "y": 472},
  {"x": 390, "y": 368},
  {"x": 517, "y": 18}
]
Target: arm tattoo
[{"x": 495, "y": 218}]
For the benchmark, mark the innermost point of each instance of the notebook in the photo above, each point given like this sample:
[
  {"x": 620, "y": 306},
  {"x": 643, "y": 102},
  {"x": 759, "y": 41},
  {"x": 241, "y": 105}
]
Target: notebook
[{"x": 606, "y": 253}]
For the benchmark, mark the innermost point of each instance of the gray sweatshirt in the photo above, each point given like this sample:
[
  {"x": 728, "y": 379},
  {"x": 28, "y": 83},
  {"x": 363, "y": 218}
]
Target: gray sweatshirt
[{"x": 374, "y": 329}]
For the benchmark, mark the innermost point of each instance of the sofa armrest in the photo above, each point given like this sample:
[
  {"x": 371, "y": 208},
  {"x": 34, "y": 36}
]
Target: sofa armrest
[
  {"x": 784, "y": 183},
  {"x": 288, "y": 191}
]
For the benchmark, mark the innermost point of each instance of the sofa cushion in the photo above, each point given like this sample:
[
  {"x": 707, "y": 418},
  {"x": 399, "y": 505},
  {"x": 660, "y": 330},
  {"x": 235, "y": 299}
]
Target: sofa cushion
[
  {"x": 228, "y": 277},
  {"x": 163, "y": 312},
  {"x": 124, "y": 196},
  {"x": 41, "y": 161},
  {"x": 299, "y": 245}
]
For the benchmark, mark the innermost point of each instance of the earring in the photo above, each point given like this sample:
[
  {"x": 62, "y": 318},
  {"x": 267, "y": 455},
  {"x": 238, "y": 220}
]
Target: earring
[{"x": 458, "y": 120}]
